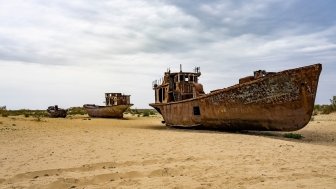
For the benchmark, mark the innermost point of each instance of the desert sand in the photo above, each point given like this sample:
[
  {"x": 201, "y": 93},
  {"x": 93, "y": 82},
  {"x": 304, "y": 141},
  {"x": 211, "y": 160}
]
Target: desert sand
[{"x": 140, "y": 152}]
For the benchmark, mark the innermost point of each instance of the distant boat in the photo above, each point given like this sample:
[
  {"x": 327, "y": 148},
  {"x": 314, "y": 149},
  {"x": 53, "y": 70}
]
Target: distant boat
[
  {"x": 116, "y": 105},
  {"x": 269, "y": 101},
  {"x": 55, "y": 111}
]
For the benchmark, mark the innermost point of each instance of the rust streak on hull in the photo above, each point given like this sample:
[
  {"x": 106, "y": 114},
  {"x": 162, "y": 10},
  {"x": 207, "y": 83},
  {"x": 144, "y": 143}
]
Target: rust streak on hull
[{"x": 281, "y": 101}]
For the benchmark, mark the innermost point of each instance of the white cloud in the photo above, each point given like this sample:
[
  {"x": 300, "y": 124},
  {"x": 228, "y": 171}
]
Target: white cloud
[{"x": 81, "y": 49}]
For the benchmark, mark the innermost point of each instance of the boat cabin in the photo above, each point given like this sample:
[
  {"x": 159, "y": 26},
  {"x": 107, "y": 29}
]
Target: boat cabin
[
  {"x": 178, "y": 86},
  {"x": 113, "y": 99}
]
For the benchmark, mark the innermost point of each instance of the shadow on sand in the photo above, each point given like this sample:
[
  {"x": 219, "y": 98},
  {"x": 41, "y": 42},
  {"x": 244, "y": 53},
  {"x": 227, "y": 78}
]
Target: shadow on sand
[{"x": 311, "y": 137}]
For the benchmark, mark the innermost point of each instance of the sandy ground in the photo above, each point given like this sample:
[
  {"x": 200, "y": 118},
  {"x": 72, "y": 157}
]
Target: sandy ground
[{"x": 140, "y": 152}]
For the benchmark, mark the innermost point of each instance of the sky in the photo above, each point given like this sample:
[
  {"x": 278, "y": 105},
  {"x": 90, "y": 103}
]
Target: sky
[{"x": 70, "y": 53}]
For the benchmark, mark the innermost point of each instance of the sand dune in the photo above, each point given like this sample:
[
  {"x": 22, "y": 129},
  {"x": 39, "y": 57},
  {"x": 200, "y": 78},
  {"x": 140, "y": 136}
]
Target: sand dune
[{"x": 140, "y": 152}]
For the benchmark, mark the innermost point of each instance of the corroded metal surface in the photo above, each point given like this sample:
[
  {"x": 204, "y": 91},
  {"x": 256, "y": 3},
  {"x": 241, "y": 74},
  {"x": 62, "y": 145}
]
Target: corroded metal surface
[
  {"x": 55, "y": 111},
  {"x": 116, "y": 105},
  {"x": 106, "y": 111},
  {"x": 281, "y": 101}
]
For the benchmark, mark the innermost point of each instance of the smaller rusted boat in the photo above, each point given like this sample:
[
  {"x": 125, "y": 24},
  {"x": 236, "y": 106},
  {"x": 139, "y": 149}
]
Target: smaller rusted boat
[
  {"x": 55, "y": 111},
  {"x": 268, "y": 101},
  {"x": 115, "y": 106}
]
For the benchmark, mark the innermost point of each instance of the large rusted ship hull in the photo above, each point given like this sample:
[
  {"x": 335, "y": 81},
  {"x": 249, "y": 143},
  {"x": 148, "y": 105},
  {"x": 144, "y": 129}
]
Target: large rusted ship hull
[
  {"x": 282, "y": 101},
  {"x": 115, "y": 111}
]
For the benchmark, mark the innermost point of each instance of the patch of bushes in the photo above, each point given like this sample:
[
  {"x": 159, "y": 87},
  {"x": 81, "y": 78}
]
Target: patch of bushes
[
  {"x": 4, "y": 114},
  {"x": 40, "y": 113},
  {"x": 146, "y": 113},
  {"x": 326, "y": 109},
  {"x": 44, "y": 113},
  {"x": 76, "y": 111},
  {"x": 143, "y": 112},
  {"x": 293, "y": 135},
  {"x": 25, "y": 112}
]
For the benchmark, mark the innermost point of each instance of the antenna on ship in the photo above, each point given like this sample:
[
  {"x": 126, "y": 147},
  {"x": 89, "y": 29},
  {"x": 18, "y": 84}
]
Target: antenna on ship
[
  {"x": 180, "y": 67},
  {"x": 197, "y": 69}
]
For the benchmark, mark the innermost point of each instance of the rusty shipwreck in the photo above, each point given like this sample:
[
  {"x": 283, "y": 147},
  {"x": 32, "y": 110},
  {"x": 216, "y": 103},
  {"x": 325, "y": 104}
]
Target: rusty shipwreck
[
  {"x": 268, "y": 101},
  {"x": 115, "y": 105},
  {"x": 55, "y": 112}
]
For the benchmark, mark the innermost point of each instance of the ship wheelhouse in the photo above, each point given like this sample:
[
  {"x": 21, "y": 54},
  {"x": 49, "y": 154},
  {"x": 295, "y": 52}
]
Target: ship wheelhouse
[
  {"x": 178, "y": 86},
  {"x": 113, "y": 99}
]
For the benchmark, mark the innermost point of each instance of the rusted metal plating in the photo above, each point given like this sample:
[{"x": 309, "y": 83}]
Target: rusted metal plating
[
  {"x": 278, "y": 101},
  {"x": 55, "y": 111},
  {"x": 116, "y": 105}
]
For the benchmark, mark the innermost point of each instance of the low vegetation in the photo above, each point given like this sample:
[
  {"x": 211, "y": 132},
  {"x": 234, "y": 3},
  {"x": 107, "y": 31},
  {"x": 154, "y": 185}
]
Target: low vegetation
[
  {"x": 326, "y": 109},
  {"x": 141, "y": 112},
  {"x": 25, "y": 112},
  {"x": 293, "y": 135},
  {"x": 76, "y": 111},
  {"x": 146, "y": 113},
  {"x": 38, "y": 114}
]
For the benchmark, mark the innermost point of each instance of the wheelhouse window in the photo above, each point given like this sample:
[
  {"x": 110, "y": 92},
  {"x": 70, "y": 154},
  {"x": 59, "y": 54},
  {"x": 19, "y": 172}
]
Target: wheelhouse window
[
  {"x": 181, "y": 78},
  {"x": 197, "y": 110}
]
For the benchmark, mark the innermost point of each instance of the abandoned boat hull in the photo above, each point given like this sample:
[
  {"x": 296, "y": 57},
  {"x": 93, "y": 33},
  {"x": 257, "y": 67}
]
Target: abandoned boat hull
[
  {"x": 115, "y": 111},
  {"x": 282, "y": 101},
  {"x": 55, "y": 112},
  {"x": 58, "y": 114}
]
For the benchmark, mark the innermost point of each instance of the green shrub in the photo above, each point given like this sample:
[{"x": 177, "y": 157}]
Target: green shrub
[
  {"x": 327, "y": 109},
  {"x": 40, "y": 113},
  {"x": 24, "y": 112},
  {"x": 293, "y": 135},
  {"x": 146, "y": 113},
  {"x": 76, "y": 111},
  {"x": 317, "y": 108},
  {"x": 136, "y": 111}
]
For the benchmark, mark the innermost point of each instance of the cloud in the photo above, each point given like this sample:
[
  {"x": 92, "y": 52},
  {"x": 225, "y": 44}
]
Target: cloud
[{"x": 99, "y": 46}]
